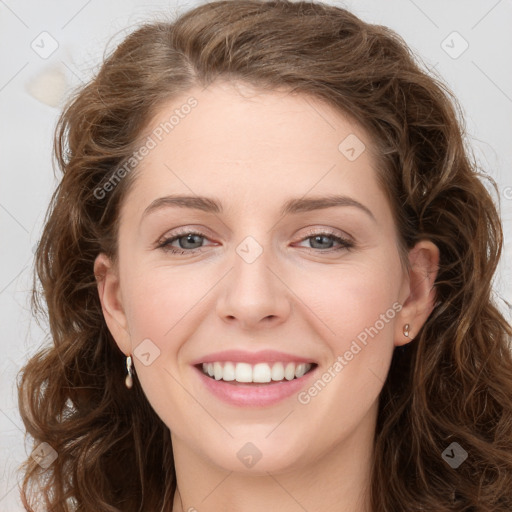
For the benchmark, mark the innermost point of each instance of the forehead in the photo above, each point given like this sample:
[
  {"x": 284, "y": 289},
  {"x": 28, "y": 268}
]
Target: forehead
[
  {"x": 275, "y": 121},
  {"x": 250, "y": 145}
]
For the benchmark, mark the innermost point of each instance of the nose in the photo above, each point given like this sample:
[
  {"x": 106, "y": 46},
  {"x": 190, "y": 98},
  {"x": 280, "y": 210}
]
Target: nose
[{"x": 254, "y": 295}]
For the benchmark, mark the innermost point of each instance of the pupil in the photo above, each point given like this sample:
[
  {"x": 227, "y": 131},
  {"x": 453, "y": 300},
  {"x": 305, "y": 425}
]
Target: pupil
[
  {"x": 318, "y": 238},
  {"x": 190, "y": 238}
]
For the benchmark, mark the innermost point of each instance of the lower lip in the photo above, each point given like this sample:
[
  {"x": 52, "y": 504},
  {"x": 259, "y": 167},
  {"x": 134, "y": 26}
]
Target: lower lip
[{"x": 254, "y": 395}]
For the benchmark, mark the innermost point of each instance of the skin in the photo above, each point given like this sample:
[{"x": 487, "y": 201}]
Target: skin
[{"x": 253, "y": 151}]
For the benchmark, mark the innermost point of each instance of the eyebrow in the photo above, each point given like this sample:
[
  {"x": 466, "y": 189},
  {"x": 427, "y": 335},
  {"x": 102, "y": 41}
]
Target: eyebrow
[{"x": 293, "y": 206}]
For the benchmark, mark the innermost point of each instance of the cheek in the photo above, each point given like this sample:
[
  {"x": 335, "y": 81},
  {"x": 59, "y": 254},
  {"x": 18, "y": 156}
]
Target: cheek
[
  {"x": 350, "y": 300},
  {"x": 158, "y": 298},
  {"x": 359, "y": 307},
  {"x": 346, "y": 298},
  {"x": 161, "y": 304}
]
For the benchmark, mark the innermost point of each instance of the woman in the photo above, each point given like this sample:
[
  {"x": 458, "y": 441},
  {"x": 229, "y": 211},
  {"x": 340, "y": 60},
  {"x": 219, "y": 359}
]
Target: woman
[{"x": 258, "y": 368}]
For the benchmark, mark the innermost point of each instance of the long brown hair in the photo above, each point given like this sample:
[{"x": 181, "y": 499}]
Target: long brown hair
[{"x": 451, "y": 384}]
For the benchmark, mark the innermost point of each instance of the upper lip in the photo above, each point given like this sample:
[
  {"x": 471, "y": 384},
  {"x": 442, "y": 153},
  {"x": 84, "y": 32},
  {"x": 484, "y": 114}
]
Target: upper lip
[{"x": 241, "y": 356}]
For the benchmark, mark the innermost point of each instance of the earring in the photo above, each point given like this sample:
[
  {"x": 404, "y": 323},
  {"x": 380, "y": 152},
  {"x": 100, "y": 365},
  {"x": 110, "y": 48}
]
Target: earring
[
  {"x": 129, "y": 379},
  {"x": 406, "y": 330}
]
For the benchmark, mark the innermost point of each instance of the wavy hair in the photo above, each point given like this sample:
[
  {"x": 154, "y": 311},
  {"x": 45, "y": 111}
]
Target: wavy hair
[{"x": 452, "y": 383}]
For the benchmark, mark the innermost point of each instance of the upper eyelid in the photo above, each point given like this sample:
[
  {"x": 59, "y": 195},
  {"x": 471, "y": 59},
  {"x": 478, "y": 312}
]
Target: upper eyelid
[{"x": 310, "y": 230}]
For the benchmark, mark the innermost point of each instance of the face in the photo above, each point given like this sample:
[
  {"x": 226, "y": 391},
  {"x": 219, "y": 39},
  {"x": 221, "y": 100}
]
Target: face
[{"x": 320, "y": 283}]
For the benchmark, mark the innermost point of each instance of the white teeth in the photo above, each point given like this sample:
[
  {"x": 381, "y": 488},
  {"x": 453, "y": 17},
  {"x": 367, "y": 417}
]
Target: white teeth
[
  {"x": 278, "y": 371},
  {"x": 217, "y": 371},
  {"x": 300, "y": 370},
  {"x": 243, "y": 372},
  {"x": 289, "y": 371},
  {"x": 229, "y": 372},
  {"x": 260, "y": 372}
]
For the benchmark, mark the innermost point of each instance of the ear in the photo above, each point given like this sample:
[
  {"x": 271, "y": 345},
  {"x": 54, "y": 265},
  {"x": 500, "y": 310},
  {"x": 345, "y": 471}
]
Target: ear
[
  {"x": 420, "y": 292},
  {"x": 109, "y": 291}
]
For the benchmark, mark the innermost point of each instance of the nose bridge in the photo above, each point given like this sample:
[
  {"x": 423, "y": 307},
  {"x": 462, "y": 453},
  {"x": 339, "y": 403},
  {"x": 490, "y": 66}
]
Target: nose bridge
[{"x": 253, "y": 292}]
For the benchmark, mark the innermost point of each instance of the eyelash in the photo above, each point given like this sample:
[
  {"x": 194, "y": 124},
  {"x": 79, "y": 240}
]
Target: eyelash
[{"x": 166, "y": 247}]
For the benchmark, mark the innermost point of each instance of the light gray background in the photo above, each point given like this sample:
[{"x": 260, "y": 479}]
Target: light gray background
[{"x": 32, "y": 89}]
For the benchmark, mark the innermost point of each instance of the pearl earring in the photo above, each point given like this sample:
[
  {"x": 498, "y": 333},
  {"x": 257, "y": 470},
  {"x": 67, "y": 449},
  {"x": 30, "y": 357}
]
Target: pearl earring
[
  {"x": 406, "y": 330},
  {"x": 129, "y": 379}
]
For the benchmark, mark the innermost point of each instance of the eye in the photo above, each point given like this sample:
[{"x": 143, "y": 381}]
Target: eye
[
  {"x": 190, "y": 242},
  {"x": 189, "y": 238},
  {"x": 321, "y": 238}
]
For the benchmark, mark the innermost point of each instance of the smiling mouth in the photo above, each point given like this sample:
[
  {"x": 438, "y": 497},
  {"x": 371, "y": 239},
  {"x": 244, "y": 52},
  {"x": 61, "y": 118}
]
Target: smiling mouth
[{"x": 255, "y": 374}]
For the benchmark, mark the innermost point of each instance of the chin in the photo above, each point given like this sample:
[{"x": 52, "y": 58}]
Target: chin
[{"x": 257, "y": 457}]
